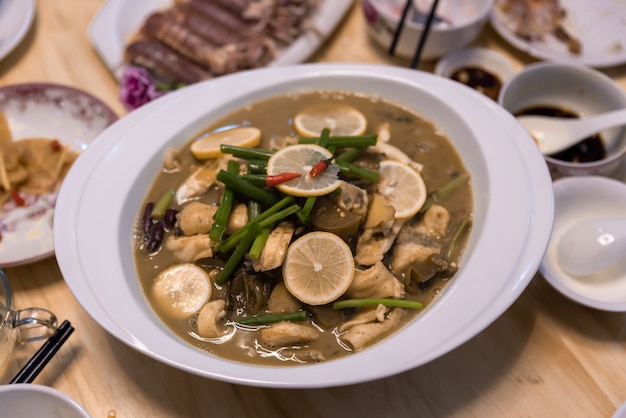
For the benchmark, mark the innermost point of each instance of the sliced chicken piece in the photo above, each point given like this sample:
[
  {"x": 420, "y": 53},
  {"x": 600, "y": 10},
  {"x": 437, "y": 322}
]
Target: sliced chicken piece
[
  {"x": 237, "y": 219},
  {"x": 282, "y": 301},
  {"x": 375, "y": 282},
  {"x": 416, "y": 242},
  {"x": 170, "y": 161},
  {"x": 352, "y": 199},
  {"x": 436, "y": 221},
  {"x": 190, "y": 248},
  {"x": 280, "y": 142},
  {"x": 209, "y": 319},
  {"x": 288, "y": 333},
  {"x": 275, "y": 249},
  {"x": 373, "y": 243},
  {"x": 384, "y": 135},
  {"x": 365, "y": 316},
  {"x": 200, "y": 180},
  {"x": 196, "y": 218},
  {"x": 394, "y": 153},
  {"x": 363, "y": 335}
]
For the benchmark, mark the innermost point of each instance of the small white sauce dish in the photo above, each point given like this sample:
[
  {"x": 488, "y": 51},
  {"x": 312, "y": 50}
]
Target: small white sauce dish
[
  {"x": 31, "y": 400},
  {"x": 482, "y": 58},
  {"x": 578, "y": 199},
  {"x": 574, "y": 88}
]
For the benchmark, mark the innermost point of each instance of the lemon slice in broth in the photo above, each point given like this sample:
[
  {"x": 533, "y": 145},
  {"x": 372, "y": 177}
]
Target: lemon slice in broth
[
  {"x": 342, "y": 120},
  {"x": 403, "y": 187},
  {"x": 209, "y": 146},
  {"x": 318, "y": 268},
  {"x": 300, "y": 159}
]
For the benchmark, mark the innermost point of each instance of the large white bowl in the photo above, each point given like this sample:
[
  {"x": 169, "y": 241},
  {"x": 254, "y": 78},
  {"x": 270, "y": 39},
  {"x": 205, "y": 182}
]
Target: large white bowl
[{"x": 513, "y": 210}]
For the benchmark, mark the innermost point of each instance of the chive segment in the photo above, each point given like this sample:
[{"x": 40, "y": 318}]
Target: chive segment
[
  {"x": 273, "y": 318},
  {"x": 368, "y": 302}
]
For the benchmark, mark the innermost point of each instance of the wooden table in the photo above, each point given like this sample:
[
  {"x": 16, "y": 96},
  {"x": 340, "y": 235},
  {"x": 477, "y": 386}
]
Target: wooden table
[{"x": 546, "y": 356}]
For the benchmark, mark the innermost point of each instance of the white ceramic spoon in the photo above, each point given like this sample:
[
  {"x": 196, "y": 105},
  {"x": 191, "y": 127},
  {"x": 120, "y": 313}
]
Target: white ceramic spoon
[
  {"x": 592, "y": 245},
  {"x": 556, "y": 134}
]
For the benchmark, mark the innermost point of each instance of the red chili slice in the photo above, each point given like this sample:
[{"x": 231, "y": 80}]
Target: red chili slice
[
  {"x": 17, "y": 198},
  {"x": 280, "y": 178},
  {"x": 55, "y": 145},
  {"x": 319, "y": 167}
]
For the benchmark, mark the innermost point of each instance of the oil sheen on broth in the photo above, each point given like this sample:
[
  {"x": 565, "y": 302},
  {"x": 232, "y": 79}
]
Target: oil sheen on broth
[{"x": 421, "y": 281}]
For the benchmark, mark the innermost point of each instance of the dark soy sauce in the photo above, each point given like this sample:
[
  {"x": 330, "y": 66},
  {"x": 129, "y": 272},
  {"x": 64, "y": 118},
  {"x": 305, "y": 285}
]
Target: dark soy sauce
[
  {"x": 590, "y": 149},
  {"x": 479, "y": 79}
]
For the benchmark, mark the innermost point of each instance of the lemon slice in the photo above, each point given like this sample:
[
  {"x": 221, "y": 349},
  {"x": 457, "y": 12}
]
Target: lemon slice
[
  {"x": 181, "y": 290},
  {"x": 209, "y": 146},
  {"x": 301, "y": 158},
  {"x": 318, "y": 268},
  {"x": 340, "y": 119},
  {"x": 403, "y": 187}
]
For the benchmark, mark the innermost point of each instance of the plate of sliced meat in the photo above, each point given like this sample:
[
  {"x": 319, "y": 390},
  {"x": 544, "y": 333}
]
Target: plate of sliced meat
[
  {"x": 166, "y": 44},
  {"x": 580, "y": 31}
]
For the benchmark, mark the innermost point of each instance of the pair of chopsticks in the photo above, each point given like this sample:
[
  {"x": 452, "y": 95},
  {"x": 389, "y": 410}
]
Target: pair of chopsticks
[
  {"x": 422, "y": 41},
  {"x": 36, "y": 364}
]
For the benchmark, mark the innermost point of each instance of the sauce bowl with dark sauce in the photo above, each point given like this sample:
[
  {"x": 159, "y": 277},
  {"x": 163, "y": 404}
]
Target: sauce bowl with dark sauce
[
  {"x": 568, "y": 90},
  {"x": 482, "y": 69}
]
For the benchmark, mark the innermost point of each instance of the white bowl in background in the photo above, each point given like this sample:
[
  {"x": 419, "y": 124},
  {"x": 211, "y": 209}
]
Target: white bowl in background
[
  {"x": 578, "y": 199},
  {"x": 467, "y": 20},
  {"x": 576, "y": 88},
  {"x": 512, "y": 200},
  {"x": 31, "y": 400}
]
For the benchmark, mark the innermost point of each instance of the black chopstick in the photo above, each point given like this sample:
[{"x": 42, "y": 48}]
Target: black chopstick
[
  {"x": 36, "y": 364},
  {"x": 398, "y": 31},
  {"x": 422, "y": 42}
]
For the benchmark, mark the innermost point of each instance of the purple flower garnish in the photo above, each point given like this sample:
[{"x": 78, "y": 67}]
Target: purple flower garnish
[{"x": 137, "y": 87}]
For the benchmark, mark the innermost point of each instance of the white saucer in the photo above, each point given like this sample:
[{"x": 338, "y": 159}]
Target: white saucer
[
  {"x": 577, "y": 199},
  {"x": 16, "y": 17},
  {"x": 45, "y": 110}
]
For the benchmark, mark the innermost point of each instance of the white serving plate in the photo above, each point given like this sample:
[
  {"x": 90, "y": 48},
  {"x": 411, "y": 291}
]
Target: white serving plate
[
  {"x": 45, "y": 110},
  {"x": 598, "y": 25},
  {"x": 118, "y": 19},
  {"x": 98, "y": 202},
  {"x": 16, "y": 17}
]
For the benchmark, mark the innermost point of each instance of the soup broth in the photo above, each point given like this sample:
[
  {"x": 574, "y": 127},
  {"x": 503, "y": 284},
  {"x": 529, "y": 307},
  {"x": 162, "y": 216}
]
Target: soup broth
[{"x": 249, "y": 294}]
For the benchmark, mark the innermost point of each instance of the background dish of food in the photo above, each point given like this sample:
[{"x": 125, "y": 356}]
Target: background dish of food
[
  {"x": 72, "y": 116},
  {"x": 463, "y": 310},
  {"x": 16, "y": 17},
  {"x": 597, "y": 25},
  {"x": 119, "y": 19}
]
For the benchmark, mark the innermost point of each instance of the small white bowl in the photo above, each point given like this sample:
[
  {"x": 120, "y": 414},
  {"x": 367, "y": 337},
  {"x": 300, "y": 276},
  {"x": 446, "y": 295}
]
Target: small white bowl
[
  {"x": 466, "y": 22},
  {"x": 482, "y": 58},
  {"x": 578, "y": 199},
  {"x": 576, "y": 88},
  {"x": 30, "y": 400}
]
